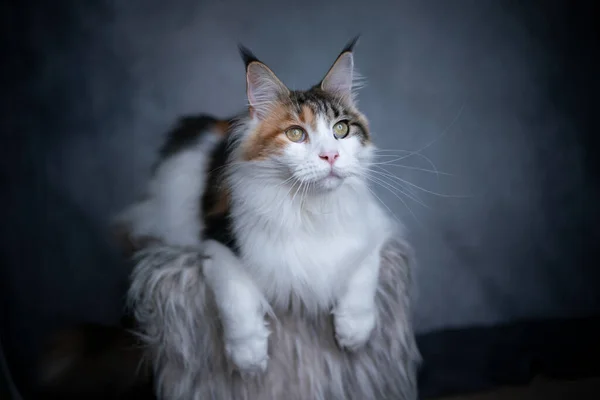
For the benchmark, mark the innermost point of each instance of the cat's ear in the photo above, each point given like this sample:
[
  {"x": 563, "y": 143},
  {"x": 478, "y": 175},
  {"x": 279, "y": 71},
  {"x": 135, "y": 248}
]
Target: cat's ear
[
  {"x": 341, "y": 76},
  {"x": 263, "y": 88}
]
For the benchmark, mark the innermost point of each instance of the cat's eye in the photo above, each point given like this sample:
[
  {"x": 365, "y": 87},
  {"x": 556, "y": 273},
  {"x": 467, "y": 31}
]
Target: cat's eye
[
  {"x": 295, "y": 134},
  {"x": 341, "y": 129}
]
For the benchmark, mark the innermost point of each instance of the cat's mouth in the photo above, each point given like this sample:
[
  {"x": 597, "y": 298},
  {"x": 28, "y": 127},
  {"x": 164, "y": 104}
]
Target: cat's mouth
[
  {"x": 327, "y": 180},
  {"x": 331, "y": 181}
]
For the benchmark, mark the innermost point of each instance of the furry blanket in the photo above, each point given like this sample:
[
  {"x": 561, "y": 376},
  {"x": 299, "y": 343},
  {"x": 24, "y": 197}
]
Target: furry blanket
[{"x": 178, "y": 322}]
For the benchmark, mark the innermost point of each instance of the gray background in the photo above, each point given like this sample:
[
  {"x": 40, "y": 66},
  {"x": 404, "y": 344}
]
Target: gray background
[{"x": 468, "y": 82}]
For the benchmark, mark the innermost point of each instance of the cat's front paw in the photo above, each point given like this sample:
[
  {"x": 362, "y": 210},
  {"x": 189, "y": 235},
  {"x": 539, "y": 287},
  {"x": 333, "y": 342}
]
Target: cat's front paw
[
  {"x": 249, "y": 353},
  {"x": 353, "y": 328}
]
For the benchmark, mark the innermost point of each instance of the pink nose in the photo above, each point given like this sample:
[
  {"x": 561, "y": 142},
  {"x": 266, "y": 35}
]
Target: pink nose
[{"x": 329, "y": 156}]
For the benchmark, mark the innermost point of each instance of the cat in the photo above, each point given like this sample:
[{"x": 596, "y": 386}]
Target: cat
[
  {"x": 266, "y": 222},
  {"x": 308, "y": 231}
]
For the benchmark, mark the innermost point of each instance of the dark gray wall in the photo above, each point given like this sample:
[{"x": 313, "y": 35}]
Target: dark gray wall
[{"x": 487, "y": 90}]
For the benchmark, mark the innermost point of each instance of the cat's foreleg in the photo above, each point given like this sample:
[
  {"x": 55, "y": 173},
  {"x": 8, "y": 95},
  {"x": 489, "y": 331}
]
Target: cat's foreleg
[
  {"x": 241, "y": 306},
  {"x": 355, "y": 313}
]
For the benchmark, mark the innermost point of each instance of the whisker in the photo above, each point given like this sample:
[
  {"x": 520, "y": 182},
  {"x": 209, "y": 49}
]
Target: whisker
[
  {"x": 299, "y": 187},
  {"x": 428, "y": 191},
  {"x": 411, "y": 196},
  {"x": 410, "y": 154},
  {"x": 399, "y": 198},
  {"x": 412, "y": 168},
  {"x": 305, "y": 193},
  {"x": 292, "y": 187},
  {"x": 384, "y": 173},
  {"x": 382, "y": 203},
  {"x": 391, "y": 151},
  {"x": 286, "y": 181}
]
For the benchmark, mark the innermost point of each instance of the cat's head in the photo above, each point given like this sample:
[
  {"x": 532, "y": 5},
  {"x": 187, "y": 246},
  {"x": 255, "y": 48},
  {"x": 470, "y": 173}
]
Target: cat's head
[{"x": 316, "y": 137}]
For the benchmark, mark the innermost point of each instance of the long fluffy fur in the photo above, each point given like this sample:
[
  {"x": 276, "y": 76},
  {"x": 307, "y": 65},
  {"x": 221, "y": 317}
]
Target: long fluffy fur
[{"x": 177, "y": 313}]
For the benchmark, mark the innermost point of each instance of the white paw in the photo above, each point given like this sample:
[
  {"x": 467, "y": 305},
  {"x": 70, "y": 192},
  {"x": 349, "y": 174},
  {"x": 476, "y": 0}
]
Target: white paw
[
  {"x": 249, "y": 353},
  {"x": 353, "y": 328}
]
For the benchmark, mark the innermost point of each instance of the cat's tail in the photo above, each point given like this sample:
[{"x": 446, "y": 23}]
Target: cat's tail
[{"x": 94, "y": 362}]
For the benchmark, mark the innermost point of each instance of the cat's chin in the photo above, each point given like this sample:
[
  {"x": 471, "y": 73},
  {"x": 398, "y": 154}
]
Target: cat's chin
[{"x": 330, "y": 182}]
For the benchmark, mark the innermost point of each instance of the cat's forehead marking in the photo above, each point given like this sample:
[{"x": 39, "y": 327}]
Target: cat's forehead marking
[
  {"x": 319, "y": 102},
  {"x": 308, "y": 117}
]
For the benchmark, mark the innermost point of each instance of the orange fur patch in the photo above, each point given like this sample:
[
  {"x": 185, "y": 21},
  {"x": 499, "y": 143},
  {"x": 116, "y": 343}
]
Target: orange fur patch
[
  {"x": 268, "y": 138},
  {"x": 307, "y": 117}
]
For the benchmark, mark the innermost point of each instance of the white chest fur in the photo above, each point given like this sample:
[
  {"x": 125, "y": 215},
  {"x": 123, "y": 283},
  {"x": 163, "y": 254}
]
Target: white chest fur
[{"x": 306, "y": 250}]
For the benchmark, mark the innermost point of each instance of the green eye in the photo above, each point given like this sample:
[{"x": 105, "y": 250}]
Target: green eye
[
  {"x": 341, "y": 129},
  {"x": 296, "y": 134}
]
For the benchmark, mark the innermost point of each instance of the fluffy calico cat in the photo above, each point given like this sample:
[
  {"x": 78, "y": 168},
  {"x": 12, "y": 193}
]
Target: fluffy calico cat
[
  {"x": 306, "y": 229},
  {"x": 260, "y": 246}
]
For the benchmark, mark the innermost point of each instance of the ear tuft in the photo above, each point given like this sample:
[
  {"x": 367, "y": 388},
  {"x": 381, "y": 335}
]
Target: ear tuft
[
  {"x": 247, "y": 55},
  {"x": 350, "y": 45},
  {"x": 341, "y": 76}
]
